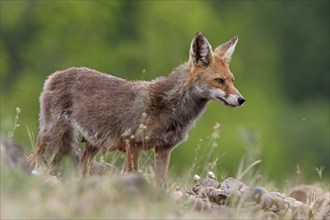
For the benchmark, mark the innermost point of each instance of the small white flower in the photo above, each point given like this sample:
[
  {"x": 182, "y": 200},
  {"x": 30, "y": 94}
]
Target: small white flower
[
  {"x": 35, "y": 173},
  {"x": 211, "y": 175},
  {"x": 142, "y": 126},
  {"x": 196, "y": 177},
  {"x": 216, "y": 126},
  {"x": 132, "y": 136}
]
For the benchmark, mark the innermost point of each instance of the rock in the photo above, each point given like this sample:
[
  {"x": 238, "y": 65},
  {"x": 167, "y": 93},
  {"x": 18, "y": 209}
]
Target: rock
[
  {"x": 261, "y": 196},
  {"x": 306, "y": 193},
  {"x": 268, "y": 216},
  {"x": 231, "y": 183},
  {"x": 12, "y": 155},
  {"x": 321, "y": 206},
  {"x": 301, "y": 211},
  {"x": 131, "y": 183},
  {"x": 102, "y": 168},
  {"x": 319, "y": 199},
  {"x": 208, "y": 182},
  {"x": 210, "y": 195}
]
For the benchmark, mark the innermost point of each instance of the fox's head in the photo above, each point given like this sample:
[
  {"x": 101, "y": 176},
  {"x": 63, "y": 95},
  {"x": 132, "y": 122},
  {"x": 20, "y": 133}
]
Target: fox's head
[{"x": 210, "y": 73}]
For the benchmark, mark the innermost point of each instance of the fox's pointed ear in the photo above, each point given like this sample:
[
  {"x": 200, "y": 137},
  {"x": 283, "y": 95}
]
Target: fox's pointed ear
[
  {"x": 200, "y": 51},
  {"x": 227, "y": 49}
]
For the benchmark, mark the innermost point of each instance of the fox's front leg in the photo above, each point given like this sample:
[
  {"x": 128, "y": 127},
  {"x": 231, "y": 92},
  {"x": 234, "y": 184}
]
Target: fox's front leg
[
  {"x": 162, "y": 160},
  {"x": 132, "y": 158}
]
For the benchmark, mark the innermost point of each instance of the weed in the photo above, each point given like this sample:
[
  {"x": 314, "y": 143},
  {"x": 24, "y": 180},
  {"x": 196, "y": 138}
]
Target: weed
[
  {"x": 16, "y": 125},
  {"x": 113, "y": 197},
  {"x": 320, "y": 171}
]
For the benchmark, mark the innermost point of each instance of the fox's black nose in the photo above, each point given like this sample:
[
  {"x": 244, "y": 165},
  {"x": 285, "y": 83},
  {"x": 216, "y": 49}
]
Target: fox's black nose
[{"x": 241, "y": 100}]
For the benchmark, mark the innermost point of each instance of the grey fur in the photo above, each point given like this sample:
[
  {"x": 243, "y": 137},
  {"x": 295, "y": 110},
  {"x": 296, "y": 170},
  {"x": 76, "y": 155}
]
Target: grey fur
[
  {"x": 104, "y": 108},
  {"x": 112, "y": 113}
]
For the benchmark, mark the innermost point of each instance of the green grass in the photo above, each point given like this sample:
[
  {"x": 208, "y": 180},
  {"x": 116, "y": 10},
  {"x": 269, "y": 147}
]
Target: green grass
[
  {"x": 114, "y": 197},
  {"x": 106, "y": 197},
  {"x": 109, "y": 197}
]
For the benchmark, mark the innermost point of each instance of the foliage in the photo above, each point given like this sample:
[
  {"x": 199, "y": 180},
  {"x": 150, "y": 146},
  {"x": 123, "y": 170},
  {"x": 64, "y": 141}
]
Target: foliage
[
  {"x": 281, "y": 65},
  {"x": 131, "y": 196}
]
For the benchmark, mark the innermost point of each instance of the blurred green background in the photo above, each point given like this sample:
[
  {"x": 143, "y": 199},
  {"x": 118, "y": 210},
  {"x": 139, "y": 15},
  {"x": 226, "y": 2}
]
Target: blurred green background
[{"x": 281, "y": 65}]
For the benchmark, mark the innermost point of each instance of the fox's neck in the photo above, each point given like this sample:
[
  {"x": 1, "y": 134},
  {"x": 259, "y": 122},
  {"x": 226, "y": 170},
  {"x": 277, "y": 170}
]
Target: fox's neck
[{"x": 176, "y": 95}]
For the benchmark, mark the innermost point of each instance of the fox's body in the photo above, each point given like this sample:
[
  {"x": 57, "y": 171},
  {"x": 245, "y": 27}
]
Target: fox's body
[
  {"x": 107, "y": 111},
  {"x": 115, "y": 114}
]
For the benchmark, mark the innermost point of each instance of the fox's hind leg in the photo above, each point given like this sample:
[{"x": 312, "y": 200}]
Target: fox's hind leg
[
  {"x": 52, "y": 144},
  {"x": 87, "y": 157},
  {"x": 38, "y": 151}
]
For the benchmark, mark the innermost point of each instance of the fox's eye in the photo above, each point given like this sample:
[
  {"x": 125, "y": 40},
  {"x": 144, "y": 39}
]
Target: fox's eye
[{"x": 220, "y": 80}]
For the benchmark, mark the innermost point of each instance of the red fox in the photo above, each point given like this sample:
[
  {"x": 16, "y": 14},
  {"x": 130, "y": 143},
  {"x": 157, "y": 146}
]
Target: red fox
[{"x": 130, "y": 116}]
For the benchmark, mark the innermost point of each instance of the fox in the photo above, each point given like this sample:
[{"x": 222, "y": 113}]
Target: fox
[{"x": 111, "y": 113}]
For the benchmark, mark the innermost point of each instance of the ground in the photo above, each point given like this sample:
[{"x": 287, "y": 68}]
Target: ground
[{"x": 120, "y": 195}]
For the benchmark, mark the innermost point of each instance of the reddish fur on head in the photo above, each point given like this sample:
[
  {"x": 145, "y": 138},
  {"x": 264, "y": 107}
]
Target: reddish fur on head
[{"x": 210, "y": 70}]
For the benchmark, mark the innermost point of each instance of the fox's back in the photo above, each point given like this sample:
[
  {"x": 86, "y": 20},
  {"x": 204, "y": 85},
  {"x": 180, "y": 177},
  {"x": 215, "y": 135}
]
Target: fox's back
[{"x": 96, "y": 104}]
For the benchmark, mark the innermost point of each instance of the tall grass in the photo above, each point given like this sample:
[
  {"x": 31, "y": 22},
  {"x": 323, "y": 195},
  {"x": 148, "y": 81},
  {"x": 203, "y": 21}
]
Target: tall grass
[{"x": 124, "y": 197}]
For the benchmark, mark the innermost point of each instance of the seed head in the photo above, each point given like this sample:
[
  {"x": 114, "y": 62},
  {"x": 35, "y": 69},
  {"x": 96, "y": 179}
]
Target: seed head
[
  {"x": 211, "y": 175},
  {"x": 196, "y": 177}
]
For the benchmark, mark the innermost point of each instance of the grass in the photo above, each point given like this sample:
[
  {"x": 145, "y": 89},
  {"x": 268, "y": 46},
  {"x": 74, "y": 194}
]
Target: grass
[
  {"x": 102, "y": 197},
  {"x": 118, "y": 196}
]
